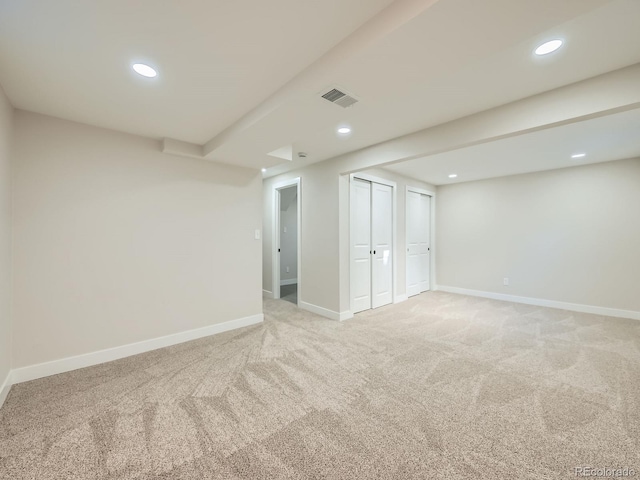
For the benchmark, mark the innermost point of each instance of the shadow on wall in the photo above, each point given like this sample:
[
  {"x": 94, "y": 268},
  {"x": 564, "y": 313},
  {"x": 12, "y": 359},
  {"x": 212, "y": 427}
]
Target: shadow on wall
[{"x": 106, "y": 162}]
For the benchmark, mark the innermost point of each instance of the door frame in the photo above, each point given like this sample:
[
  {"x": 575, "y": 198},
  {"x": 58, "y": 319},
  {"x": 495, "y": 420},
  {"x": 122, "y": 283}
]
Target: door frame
[
  {"x": 394, "y": 236},
  {"x": 432, "y": 234},
  {"x": 275, "y": 227}
]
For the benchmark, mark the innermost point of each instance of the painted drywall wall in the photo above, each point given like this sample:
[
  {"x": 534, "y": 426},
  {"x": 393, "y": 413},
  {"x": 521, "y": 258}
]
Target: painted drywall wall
[
  {"x": 115, "y": 242},
  {"x": 288, "y": 235},
  {"x": 318, "y": 203},
  {"x": 6, "y": 134},
  {"x": 325, "y": 232},
  {"x": 567, "y": 235}
]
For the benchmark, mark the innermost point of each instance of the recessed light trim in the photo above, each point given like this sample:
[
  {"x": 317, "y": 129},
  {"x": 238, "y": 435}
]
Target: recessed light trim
[
  {"x": 548, "y": 47},
  {"x": 578, "y": 155},
  {"x": 453, "y": 175},
  {"x": 344, "y": 130},
  {"x": 144, "y": 70}
]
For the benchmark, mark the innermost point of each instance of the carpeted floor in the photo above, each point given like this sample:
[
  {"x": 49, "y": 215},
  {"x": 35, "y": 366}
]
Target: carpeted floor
[{"x": 441, "y": 386}]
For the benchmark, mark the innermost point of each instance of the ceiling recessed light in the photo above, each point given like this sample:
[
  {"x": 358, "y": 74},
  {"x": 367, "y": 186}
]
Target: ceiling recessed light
[
  {"x": 344, "y": 130},
  {"x": 264, "y": 170},
  {"x": 549, "y": 47},
  {"x": 453, "y": 175},
  {"x": 578, "y": 155},
  {"x": 144, "y": 70}
]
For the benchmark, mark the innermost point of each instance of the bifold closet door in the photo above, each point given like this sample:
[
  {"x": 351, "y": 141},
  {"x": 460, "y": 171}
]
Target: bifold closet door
[
  {"x": 425, "y": 242},
  {"x": 371, "y": 244},
  {"x": 413, "y": 243},
  {"x": 361, "y": 244},
  {"x": 418, "y": 217},
  {"x": 382, "y": 244}
]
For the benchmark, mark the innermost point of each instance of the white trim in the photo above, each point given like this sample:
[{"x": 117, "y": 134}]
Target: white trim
[
  {"x": 400, "y": 298},
  {"x": 267, "y": 293},
  {"x": 291, "y": 281},
  {"x": 433, "y": 265},
  {"x": 325, "y": 312},
  {"x": 6, "y": 386},
  {"x": 275, "y": 262},
  {"x": 346, "y": 315},
  {"x": 394, "y": 233},
  {"x": 422, "y": 191},
  {"x": 394, "y": 238},
  {"x": 372, "y": 178},
  {"x": 68, "y": 364},
  {"x": 575, "y": 307}
]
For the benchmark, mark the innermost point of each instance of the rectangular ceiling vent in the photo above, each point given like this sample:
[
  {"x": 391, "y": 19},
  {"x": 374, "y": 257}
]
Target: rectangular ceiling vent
[{"x": 340, "y": 98}]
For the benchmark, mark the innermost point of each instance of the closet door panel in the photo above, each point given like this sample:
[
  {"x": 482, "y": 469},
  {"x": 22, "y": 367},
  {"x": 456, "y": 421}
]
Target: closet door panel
[
  {"x": 382, "y": 244},
  {"x": 425, "y": 242},
  {"x": 361, "y": 244},
  {"x": 413, "y": 220}
]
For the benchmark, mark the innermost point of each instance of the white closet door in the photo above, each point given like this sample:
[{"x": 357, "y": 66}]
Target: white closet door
[
  {"x": 425, "y": 241},
  {"x": 381, "y": 239},
  {"x": 418, "y": 242},
  {"x": 414, "y": 204},
  {"x": 361, "y": 244}
]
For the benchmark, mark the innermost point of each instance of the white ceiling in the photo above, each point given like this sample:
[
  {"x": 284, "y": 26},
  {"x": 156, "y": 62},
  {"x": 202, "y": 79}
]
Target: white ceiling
[
  {"x": 453, "y": 60},
  {"x": 216, "y": 59},
  {"x": 429, "y": 61},
  {"x": 603, "y": 139}
]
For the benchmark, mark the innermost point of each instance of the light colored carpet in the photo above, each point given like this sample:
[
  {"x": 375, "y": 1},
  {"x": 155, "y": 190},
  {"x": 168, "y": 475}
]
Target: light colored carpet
[{"x": 440, "y": 386}]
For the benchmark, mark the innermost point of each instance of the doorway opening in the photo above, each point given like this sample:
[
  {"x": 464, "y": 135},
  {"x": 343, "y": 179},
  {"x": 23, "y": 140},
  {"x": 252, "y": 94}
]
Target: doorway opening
[{"x": 286, "y": 264}]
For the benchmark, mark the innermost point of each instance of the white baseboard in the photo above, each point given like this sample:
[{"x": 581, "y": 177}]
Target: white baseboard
[
  {"x": 68, "y": 364},
  {"x": 400, "y": 298},
  {"x": 346, "y": 315},
  {"x": 325, "y": 312},
  {"x": 267, "y": 293},
  {"x": 4, "y": 388},
  {"x": 291, "y": 281},
  {"x": 574, "y": 307}
]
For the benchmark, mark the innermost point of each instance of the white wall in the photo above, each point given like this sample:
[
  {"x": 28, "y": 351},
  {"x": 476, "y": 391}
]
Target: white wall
[
  {"x": 319, "y": 231},
  {"x": 288, "y": 234},
  {"x": 6, "y": 133},
  {"x": 325, "y": 232},
  {"x": 115, "y": 242},
  {"x": 569, "y": 235}
]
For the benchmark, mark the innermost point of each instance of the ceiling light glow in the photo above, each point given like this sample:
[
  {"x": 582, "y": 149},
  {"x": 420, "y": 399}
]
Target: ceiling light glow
[
  {"x": 548, "y": 47},
  {"x": 344, "y": 130},
  {"x": 578, "y": 155},
  {"x": 264, "y": 170},
  {"x": 144, "y": 70},
  {"x": 453, "y": 175}
]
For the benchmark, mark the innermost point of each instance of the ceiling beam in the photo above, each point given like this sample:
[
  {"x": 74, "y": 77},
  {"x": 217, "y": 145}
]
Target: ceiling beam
[
  {"x": 390, "y": 19},
  {"x": 605, "y": 94},
  {"x": 602, "y": 95},
  {"x": 183, "y": 149}
]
